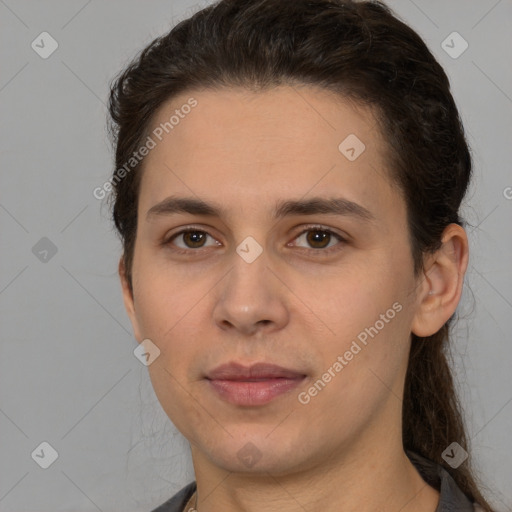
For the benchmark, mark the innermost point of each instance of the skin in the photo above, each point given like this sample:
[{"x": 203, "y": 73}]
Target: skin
[{"x": 296, "y": 305}]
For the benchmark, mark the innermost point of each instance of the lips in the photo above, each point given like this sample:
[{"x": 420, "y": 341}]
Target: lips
[
  {"x": 256, "y": 372},
  {"x": 255, "y": 385}
]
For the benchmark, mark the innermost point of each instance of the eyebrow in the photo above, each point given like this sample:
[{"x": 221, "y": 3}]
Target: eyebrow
[{"x": 313, "y": 206}]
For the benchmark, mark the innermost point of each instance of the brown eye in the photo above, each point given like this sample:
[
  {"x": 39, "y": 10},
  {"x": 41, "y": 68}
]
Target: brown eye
[
  {"x": 318, "y": 238},
  {"x": 315, "y": 237},
  {"x": 194, "y": 239},
  {"x": 189, "y": 239}
]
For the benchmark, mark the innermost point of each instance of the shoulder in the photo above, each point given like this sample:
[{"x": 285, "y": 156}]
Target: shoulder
[
  {"x": 178, "y": 501},
  {"x": 451, "y": 497}
]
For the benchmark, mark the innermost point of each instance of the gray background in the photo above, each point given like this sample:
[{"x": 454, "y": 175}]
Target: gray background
[{"x": 68, "y": 375}]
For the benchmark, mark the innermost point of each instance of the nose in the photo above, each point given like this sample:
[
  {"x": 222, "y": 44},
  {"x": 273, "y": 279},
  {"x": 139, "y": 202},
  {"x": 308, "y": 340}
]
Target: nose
[{"x": 251, "y": 299}]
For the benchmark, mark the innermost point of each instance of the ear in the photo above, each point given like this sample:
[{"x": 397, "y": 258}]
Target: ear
[
  {"x": 441, "y": 288},
  {"x": 129, "y": 302}
]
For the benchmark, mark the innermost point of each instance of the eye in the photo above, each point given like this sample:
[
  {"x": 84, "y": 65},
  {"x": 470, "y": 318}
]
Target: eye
[
  {"x": 191, "y": 238},
  {"x": 320, "y": 238}
]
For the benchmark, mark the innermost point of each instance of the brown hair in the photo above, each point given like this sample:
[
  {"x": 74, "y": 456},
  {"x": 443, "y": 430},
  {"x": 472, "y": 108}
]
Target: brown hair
[{"x": 361, "y": 51}]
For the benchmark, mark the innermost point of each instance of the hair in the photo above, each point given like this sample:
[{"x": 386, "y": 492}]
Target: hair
[{"x": 362, "y": 52}]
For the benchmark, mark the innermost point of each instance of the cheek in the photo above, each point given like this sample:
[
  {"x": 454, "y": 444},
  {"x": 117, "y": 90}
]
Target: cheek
[
  {"x": 174, "y": 310},
  {"x": 354, "y": 297},
  {"x": 165, "y": 297},
  {"x": 368, "y": 312},
  {"x": 363, "y": 364},
  {"x": 168, "y": 304}
]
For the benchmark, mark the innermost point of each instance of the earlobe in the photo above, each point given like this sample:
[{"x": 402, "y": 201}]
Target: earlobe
[
  {"x": 128, "y": 299},
  {"x": 441, "y": 289}
]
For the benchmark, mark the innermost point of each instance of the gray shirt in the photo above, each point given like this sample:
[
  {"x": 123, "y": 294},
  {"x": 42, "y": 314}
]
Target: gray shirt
[{"x": 451, "y": 499}]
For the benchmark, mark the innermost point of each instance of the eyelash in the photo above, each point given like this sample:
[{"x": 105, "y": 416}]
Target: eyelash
[{"x": 191, "y": 229}]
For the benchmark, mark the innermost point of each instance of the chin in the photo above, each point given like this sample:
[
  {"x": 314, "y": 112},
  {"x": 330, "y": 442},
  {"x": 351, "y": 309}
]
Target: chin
[{"x": 256, "y": 450}]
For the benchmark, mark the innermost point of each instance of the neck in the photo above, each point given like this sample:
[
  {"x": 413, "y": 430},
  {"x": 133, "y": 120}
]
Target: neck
[{"x": 362, "y": 480}]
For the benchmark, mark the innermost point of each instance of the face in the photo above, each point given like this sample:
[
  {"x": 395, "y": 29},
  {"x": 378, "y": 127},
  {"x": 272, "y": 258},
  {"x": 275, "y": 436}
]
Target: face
[{"x": 301, "y": 260}]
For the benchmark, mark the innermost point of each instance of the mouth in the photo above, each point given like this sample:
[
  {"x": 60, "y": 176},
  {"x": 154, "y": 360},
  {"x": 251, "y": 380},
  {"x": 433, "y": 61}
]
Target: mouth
[{"x": 255, "y": 385}]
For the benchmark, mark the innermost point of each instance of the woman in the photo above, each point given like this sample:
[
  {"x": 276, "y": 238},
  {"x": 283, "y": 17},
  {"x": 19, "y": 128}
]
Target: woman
[{"x": 287, "y": 187}]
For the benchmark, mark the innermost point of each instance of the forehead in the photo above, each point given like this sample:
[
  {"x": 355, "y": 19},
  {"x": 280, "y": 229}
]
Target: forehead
[{"x": 243, "y": 147}]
